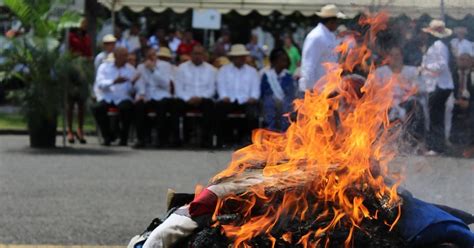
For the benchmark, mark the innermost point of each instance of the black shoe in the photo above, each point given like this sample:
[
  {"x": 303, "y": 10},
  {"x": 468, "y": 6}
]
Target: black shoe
[
  {"x": 71, "y": 139},
  {"x": 81, "y": 140},
  {"x": 206, "y": 145},
  {"x": 106, "y": 143}
]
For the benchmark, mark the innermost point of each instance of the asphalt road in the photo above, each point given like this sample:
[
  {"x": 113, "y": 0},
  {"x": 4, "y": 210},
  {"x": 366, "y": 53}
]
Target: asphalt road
[{"x": 88, "y": 195}]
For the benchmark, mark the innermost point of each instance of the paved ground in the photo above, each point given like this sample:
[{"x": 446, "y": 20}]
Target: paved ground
[{"x": 88, "y": 195}]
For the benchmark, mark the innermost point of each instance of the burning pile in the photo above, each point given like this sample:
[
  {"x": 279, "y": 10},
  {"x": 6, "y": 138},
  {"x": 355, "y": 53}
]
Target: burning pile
[{"x": 325, "y": 182}]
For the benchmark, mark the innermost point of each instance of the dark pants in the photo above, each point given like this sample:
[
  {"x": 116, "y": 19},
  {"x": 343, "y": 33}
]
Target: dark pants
[
  {"x": 125, "y": 110},
  {"x": 437, "y": 105},
  {"x": 206, "y": 108},
  {"x": 224, "y": 125},
  {"x": 166, "y": 121},
  {"x": 415, "y": 123},
  {"x": 471, "y": 121}
]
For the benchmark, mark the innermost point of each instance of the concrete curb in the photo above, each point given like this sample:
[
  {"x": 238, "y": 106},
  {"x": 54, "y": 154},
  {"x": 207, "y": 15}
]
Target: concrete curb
[
  {"x": 25, "y": 132},
  {"x": 60, "y": 246}
]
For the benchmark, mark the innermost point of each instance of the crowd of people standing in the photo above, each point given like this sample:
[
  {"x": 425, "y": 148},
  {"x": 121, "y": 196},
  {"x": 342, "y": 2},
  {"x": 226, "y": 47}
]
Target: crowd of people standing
[{"x": 171, "y": 75}]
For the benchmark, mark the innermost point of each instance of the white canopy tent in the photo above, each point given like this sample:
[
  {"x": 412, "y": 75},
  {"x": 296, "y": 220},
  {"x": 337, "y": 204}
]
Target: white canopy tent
[{"x": 413, "y": 8}]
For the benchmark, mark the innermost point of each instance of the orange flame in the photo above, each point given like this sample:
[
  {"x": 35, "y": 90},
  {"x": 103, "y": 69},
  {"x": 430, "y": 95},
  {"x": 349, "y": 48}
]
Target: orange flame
[{"x": 337, "y": 143}]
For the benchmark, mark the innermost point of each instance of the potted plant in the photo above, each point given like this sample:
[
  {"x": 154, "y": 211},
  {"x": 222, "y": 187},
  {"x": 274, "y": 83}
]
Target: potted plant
[{"x": 36, "y": 58}]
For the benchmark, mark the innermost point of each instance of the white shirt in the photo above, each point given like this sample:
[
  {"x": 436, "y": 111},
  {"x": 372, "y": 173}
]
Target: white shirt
[
  {"x": 133, "y": 43},
  {"x": 195, "y": 81},
  {"x": 123, "y": 43},
  {"x": 435, "y": 67},
  {"x": 318, "y": 48},
  {"x": 402, "y": 85},
  {"x": 156, "y": 84},
  {"x": 174, "y": 44},
  {"x": 461, "y": 46},
  {"x": 110, "y": 92},
  {"x": 403, "y": 82},
  {"x": 100, "y": 58},
  {"x": 238, "y": 84}
]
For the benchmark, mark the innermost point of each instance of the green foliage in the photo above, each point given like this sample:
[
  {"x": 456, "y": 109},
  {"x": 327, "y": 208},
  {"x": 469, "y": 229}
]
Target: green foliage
[{"x": 35, "y": 57}]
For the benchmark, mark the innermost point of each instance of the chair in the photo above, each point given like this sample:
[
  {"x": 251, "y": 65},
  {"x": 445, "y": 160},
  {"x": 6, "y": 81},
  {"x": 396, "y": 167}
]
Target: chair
[
  {"x": 113, "y": 115},
  {"x": 193, "y": 114}
]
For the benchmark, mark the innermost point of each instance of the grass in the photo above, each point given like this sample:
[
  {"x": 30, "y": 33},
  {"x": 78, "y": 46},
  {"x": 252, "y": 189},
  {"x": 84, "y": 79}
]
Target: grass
[
  {"x": 15, "y": 121},
  {"x": 12, "y": 122}
]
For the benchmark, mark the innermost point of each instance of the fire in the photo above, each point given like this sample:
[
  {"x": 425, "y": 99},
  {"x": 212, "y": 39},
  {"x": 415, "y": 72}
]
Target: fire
[{"x": 338, "y": 146}]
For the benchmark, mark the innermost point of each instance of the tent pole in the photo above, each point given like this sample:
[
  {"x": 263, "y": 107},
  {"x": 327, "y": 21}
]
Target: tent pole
[
  {"x": 113, "y": 14},
  {"x": 442, "y": 11}
]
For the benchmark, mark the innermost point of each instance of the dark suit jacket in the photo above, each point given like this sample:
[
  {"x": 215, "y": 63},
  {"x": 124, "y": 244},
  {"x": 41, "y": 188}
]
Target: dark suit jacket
[{"x": 469, "y": 85}]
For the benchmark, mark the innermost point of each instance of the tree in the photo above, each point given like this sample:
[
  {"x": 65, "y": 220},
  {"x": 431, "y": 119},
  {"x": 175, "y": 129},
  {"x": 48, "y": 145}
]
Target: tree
[{"x": 36, "y": 58}]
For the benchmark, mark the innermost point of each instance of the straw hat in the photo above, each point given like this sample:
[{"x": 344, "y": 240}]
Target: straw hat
[
  {"x": 221, "y": 61},
  {"x": 238, "y": 50},
  {"x": 329, "y": 11},
  {"x": 164, "y": 52},
  {"x": 438, "y": 29},
  {"x": 109, "y": 38}
]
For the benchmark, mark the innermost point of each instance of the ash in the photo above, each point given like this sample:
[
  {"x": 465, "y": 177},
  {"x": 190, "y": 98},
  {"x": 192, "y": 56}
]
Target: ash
[{"x": 373, "y": 233}]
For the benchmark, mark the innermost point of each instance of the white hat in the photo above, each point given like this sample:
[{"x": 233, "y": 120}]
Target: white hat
[
  {"x": 238, "y": 50},
  {"x": 329, "y": 11},
  {"x": 109, "y": 38},
  {"x": 164, "y": 52},
  {"x": 438, "y": 29}
]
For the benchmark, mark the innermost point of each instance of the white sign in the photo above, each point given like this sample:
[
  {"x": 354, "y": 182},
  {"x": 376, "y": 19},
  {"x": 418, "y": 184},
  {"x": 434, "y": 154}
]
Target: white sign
[{"x": 206, "y": 19}]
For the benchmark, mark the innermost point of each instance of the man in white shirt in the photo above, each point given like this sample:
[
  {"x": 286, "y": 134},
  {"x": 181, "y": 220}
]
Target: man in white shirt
[
  {"x": 460, "y": 44},
  {"x": 238, "y": 87},
  {"x": 463, "y": 99},
  {"x": 404, "y": 81},
  {"x": 121, "y": 41},
  {"x": 115, "y": 83},
  {"x": 436, "y": 74},
  {"x": 318, "y": 49},
  {"x": 195, "y": 87},
  {"x": 108, "y": 46},
  {"x": 132, "y": 38},
  {"x": 154, "y": 95}
]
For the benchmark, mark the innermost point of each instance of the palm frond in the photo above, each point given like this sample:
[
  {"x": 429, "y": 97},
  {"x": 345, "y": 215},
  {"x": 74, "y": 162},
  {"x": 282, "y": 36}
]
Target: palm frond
[{"x": 22, "y": 10}]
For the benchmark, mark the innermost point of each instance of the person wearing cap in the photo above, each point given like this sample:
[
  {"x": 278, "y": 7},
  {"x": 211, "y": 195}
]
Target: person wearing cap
[
  {"x": 154, "y": 94},
  {"x": 460, "y": 44},
  {"x": 115, "y": 82},
  {"x": 107, "y": 55},
  {"x": 436, "y": 74},
  {"x": 318, "y": 48},
  {"x": 195, "y": 87},
  {"x": 238, "y": 88},
  {"x": 108, "y": 46}
]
